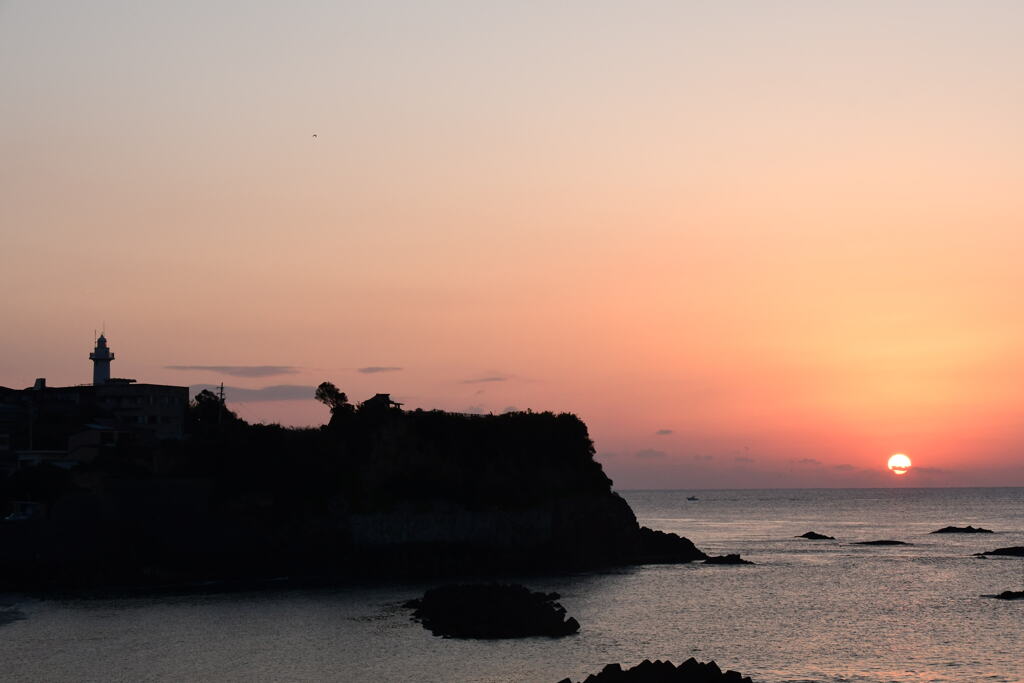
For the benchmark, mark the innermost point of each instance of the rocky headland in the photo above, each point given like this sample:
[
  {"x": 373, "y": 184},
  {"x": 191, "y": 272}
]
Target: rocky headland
[
  {"x": 378, "y": 492},
  {"x": 661, "y": 547},
  {"x": 962, "y": 530},
  {"x": 815, "y": 536}
]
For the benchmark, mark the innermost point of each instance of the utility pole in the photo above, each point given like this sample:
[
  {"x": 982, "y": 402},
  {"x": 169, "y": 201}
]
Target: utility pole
[{"x": 220, "y": 410}]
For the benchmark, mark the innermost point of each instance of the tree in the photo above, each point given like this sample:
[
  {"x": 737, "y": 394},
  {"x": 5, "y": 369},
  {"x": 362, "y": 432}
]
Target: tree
[
  {"x": 206, "y": 400},
  {"x": 333, "y": 398},
  {"x": 206, "y": 413}
]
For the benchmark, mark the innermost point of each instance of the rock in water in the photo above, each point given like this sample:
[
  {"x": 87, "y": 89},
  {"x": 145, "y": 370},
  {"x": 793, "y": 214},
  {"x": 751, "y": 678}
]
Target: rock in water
[
  {"x": 815, "y": 536},
  {"x": 962, "y": 530},
  {"x": 1012, "y": 551},
  {"x": 690, "y": 671},
  {"x": 491, "y": 611},
  {"x": 1007, "y": 595},
  {"x": 727, "y": 559}
]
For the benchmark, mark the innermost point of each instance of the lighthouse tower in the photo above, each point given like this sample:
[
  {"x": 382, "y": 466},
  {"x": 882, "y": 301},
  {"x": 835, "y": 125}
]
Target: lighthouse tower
[{"x": 101, "y": 358}]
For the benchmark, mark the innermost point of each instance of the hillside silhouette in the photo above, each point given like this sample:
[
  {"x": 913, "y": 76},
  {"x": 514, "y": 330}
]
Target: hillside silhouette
[{"x": 378, "y": 491}]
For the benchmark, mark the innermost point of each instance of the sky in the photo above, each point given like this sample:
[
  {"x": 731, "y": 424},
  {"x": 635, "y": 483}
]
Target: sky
[{"x": 751, "y": 244}]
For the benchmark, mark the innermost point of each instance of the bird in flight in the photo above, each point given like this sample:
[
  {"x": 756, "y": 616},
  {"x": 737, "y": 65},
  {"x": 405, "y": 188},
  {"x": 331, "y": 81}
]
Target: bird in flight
[{"x": 314, "y": 134}]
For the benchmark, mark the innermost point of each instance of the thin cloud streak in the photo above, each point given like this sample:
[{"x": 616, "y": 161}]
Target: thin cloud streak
[
  {"x": 374, "y": 369},
  {"x": 481, "y": 380},
  {"x": 239, "y": 370}
]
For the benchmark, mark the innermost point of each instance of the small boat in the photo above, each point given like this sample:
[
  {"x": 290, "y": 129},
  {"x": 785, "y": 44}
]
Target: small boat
[{"x": 692, "y": 498}]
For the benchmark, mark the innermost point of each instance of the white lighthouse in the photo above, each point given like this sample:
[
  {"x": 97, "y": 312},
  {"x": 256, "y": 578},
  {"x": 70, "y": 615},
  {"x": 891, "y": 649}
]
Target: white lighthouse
[{"x": 101, "y": 358}]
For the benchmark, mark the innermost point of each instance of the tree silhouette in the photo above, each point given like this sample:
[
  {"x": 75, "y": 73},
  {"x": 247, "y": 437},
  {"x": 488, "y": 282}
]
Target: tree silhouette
[
  {"x": 207, "y": 413},
  {"x": 206, "y": 400},
  {"x": 333, "y": 398}
]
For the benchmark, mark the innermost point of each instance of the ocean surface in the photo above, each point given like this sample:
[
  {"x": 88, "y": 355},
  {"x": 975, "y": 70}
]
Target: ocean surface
[{"x": 823, "y": 611}]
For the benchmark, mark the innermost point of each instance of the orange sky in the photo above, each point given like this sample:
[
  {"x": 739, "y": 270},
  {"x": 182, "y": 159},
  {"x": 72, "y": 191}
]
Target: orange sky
[{"x": 788, "y": 233}]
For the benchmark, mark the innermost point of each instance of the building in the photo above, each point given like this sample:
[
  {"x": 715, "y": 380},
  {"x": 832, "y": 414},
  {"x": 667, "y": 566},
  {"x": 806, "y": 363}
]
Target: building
[
  {"x": 69, "y": 425},
  {"x": 380, "y": 402},
  {"x": 101, "y": 357}
]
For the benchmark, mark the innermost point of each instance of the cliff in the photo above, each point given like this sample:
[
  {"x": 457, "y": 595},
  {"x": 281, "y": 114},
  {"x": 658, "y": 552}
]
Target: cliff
[
  {"x": 519, "y": 491},
  {"x": 377, "y": 492}
]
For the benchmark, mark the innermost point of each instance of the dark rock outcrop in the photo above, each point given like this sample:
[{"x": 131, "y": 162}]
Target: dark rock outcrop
[
  {"x": 435, "y": 494},
  {"x": 1007, "y": 595},
  {"x": 660, "y": 547},
  {"x": 379, "y": 492},
  {"x": 962, "y": 530},
  {"x": 1012, "y": 551},
  {"x": 726, "y": 559},
  {"x": 690, "y": 671},
  {"x": 815, "y": 536},
  {"x": 883, "y": 542},
  {"x": 491, "y": 611}
]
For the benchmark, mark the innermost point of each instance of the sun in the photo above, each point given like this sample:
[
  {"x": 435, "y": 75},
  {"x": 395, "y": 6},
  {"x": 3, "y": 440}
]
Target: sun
[{"x": 899, "y": 464}]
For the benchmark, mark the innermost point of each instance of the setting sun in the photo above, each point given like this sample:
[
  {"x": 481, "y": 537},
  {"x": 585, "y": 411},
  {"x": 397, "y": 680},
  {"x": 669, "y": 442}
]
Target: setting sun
[{"x": 899, "y": 464}]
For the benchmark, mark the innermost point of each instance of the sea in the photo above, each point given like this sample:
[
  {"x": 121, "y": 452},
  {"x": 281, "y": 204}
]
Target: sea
[{"x": 805, "y": 611}]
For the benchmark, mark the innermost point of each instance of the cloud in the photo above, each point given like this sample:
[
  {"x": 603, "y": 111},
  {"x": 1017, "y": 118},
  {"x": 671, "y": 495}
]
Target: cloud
[
  {"x": 807, "y": 461},
  {"x": 374, "y": 369},
  {"x": 663, "y": 432},
  {"x": 510, "y": 409},
  {"x": 743, "y": 458},
  {"x": 702, "y": 458},
  {"x": 650, "y": 453},
  {"x": 844, "y": 467},
  {"x": 476, "y": 409},
  {"x": 278, "y": 392},
  {"x": 481, "y": 380},
  {"x": 239, "y": 370}
]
